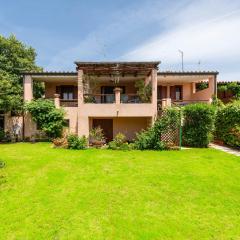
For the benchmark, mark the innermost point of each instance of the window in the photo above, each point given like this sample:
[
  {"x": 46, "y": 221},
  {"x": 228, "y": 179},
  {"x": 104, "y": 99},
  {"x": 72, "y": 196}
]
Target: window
[
  {"x": 178, "y": 90},
  {"x": 67, "y": 92}
]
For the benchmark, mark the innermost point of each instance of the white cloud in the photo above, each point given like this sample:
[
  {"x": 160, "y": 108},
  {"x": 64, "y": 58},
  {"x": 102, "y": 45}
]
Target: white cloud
[{"x": 204, "y": 30}]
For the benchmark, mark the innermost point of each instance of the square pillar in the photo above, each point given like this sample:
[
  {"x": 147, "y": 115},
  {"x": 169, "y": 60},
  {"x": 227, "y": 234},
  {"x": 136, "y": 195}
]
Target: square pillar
[
  {"x": 168, "y": 92},
  {"x": 80, "y": 87},
  {"x": 28, "y": 88},
  {"x": 82, "y": 121},
  {"x": 117, "y": 95},
  {"x": 193, "y": 87},
  {"x": 57, "y": 100},
  {"x": 154, "y": 94}
]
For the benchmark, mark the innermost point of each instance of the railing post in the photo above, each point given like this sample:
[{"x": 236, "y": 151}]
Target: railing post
[
  {"x": 28, "y": 88},
  {"x": 57, "y": 100}
]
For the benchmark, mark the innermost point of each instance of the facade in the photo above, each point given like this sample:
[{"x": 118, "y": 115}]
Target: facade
[{"x": 106, "y": 94}]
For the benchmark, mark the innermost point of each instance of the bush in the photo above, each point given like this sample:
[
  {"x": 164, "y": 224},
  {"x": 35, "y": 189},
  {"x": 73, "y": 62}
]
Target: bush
[
  {"x": 2, "y": 164},
  {"x": 5, "y": 136},
  {"x": 119, "y": 143},
  {"x": 216, "y": 102},
  {"x": 47, "y": 116},
  {"x": 75, "y": 142},
  {"x": 228, "y": 124},
  {"x": 96, "y": 134},
  {"x": 198, "y": 124},
  {"x": 152, "y": 137},
  {"x": 60, "y": 142},
  {"x": 2, "y": 134}
]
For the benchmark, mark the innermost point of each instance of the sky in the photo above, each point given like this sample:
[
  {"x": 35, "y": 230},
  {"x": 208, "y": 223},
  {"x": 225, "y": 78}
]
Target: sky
[{"x": 63, "y": 31}]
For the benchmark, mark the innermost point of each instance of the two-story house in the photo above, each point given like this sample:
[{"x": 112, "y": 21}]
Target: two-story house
[{"x": 106, "y": 94}]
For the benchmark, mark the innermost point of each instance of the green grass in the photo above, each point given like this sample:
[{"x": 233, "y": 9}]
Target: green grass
[{"x": 48, "y": 193}]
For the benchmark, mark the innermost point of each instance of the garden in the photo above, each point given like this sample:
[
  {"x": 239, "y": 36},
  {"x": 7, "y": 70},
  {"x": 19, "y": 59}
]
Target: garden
[{"x": 194, "y": 125}]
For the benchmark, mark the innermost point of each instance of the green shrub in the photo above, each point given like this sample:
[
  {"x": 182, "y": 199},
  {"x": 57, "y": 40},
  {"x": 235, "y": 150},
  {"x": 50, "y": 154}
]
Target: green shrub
[
  {"x": 2, "y": 164},
  {"x": 75, "y": 142},
  {"x": 198, "y": 124},
  {"x": 119, "y": 143},
  {"x": 96, "y": 134},
  {"x": 47, "y": 116},
  {"x": 216, "y": 102},
  {"x": 2, "y": 134},
  {"x": 144, "y": 91},
  {"x": 151, "y": 138},
  {"x": 228, "y": 124},
  {"x": 60, "y": 142}
]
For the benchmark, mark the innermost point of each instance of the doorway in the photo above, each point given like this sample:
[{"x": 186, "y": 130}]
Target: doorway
[
  {"x": 1, "y": 122},
  {"x": 106, "y": 125}
]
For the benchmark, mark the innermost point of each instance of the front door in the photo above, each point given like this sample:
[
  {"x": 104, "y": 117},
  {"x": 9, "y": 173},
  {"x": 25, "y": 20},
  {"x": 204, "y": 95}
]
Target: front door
[
  {"x": 176, "y": 92},
  {"x": 106, "y": 125}
]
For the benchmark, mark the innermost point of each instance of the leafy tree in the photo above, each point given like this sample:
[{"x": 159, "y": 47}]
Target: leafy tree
[
  {"x": 10, "y": 92},
  {"x": 235, "y": 88},
  {"x": 15, "y": 58},
  {"x": 47, "y": 116}
]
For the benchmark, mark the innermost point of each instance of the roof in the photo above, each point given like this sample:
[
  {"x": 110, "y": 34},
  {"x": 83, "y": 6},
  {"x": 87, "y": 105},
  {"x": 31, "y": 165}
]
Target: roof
[
  {"x": 102, "y": 68},
  {"x": 50, "y": 73},
  {"x": 172, "y": 73},
  {"x": 224, "y": 82}
]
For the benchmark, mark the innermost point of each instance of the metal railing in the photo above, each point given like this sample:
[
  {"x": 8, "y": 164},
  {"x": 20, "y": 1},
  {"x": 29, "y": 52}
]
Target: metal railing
[
  {"x": 130, "y": 98},
  {"x": 186, "y": 102},
  {"x": 68, "y": 103},
  {"x": 178, "y": 103},
  {"x": 99, "y": 98}
]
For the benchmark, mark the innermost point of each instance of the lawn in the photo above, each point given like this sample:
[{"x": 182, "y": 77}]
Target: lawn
[{"x": 48, "y": 193}]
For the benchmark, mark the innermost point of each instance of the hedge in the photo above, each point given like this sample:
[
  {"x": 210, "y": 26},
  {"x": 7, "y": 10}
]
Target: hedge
[
  {"x": 228, "y": 124},
  {"x": 198, "y": 124}
]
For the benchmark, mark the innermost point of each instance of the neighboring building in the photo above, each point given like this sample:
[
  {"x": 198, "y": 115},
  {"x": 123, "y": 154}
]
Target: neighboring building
[
  {"x": 225, "y": 95},
  {"x": 105, "y": 94}
]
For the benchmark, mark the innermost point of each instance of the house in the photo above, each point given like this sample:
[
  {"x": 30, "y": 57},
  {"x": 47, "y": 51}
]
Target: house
[{"x": 112, "y": 95}]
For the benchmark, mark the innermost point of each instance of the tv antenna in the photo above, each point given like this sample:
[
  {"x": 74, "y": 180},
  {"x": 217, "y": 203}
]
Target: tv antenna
[{"x": 182, "y": 54}]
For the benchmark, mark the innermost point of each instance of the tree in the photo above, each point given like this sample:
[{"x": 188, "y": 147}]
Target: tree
[
  {"x": 47, "y": 116},
  {"x": 15, "y": 58}
]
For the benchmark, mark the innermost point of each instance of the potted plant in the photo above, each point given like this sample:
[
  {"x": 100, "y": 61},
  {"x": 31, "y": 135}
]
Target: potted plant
[{"x": 96, "y": 137}]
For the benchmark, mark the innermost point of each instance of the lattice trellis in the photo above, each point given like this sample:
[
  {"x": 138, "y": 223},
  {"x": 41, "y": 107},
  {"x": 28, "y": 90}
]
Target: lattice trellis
[{"x": 171, "y": 135}]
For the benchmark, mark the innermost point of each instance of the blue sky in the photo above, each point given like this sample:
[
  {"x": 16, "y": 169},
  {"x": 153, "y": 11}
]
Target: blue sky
[{"x": 63, "y": 31}]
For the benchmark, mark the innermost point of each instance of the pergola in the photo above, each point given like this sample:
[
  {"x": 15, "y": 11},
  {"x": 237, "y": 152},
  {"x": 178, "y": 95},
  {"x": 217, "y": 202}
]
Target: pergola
[{"x": 117, "y": 68}]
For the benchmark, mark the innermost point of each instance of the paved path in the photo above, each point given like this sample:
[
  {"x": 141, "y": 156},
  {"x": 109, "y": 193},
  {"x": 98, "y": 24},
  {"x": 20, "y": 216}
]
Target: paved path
[{"x": 225, "y": 149}]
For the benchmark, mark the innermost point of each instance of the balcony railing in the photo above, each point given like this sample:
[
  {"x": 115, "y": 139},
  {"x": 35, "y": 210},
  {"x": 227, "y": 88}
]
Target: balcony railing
[
  {"x": 68, "y": 103},
  {"x": 130, "y": 98},
  {"x": 99, "y": 98},
  {"x": 168, "y": 102},
  {"x": 186, "y": 102}
]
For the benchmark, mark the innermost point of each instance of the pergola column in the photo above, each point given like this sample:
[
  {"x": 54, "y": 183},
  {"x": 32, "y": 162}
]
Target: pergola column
[
  {"x": 83, "y": 122},
  {"x": 80, "y": 87},
  {"x": 57, "y": 100},
  {"x": 193, "y": 87},
  {"x": 168, "y": 91},
  {"x": 154, "y": 93},
  {"x": 28, "y": 88}
]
